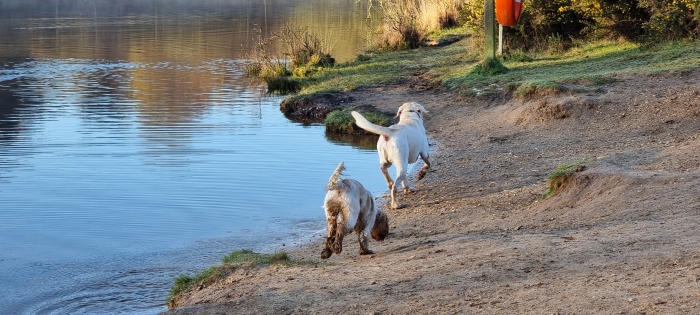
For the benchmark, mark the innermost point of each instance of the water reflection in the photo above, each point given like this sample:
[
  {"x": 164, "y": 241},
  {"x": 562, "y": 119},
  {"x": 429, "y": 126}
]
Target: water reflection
[
  {"x": 191, "y": 31},
  {"x": 10, "y": 105},
  {"x": 365, "y": 142},
  {"x": 136, "y": 139}
]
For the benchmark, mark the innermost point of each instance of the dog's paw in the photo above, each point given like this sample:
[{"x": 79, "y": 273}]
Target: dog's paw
[
  {"x": 395, "y": 205},
  {"x": 337, "y": 248},
  {"x": 409, "y": 190},
  {"x": 366, "y": 252},
  {"x": 326, "y": 253}
]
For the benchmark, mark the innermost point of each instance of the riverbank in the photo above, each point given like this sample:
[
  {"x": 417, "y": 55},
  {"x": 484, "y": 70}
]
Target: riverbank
[{"x": 620, "y": 237}]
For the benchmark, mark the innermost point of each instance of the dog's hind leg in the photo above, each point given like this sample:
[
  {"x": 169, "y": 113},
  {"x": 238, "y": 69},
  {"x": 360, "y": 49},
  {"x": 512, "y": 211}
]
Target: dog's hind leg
[
  {"x": 385, "y": 171},
  {"x": 402, "y": 178},
  {"x": 364, "y": 243},
  {"x": 424, "y": 170},
  {"x": 330, "y": 240}
]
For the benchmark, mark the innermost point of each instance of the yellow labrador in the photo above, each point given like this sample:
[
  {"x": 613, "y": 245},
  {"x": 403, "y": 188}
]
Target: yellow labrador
[{"x": 401, "y": 145}]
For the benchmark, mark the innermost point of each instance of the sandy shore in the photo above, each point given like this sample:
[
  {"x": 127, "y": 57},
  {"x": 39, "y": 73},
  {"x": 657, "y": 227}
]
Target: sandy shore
[{"x": 621, "y": 237}]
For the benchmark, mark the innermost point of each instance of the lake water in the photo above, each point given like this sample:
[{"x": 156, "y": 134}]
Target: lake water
[{"x": 134, "y": 149}]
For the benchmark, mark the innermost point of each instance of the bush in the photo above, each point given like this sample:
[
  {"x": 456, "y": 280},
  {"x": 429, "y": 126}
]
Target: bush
[
  {"x": 555, "y": 25},
  {"x": 304, "y": 48},
  {"x": 671, "y": 20}
]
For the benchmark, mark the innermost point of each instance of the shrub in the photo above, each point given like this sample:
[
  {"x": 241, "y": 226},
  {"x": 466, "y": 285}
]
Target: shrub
[
  {"x": 554, "y": 25},
  {"x": 306, "y": 52},
  {"x": 671, "y": 20},
  {"x": 304, "y": 48}
]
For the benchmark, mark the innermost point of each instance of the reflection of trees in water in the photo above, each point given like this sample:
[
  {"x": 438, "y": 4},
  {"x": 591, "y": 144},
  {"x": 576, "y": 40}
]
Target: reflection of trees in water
[
  {"x": 171, "y": 96},
  {"x": 10, "y": 106},
  {"x": 365, "y": 142},
  {"x": 226, "y": 24},
  {"x": 90, "y": 8}
]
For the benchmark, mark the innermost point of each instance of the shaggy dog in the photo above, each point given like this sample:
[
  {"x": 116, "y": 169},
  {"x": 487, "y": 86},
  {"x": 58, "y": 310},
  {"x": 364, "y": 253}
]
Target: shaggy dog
[
  {"x": 401, "y": 145},
  {"x": 350, "y": 207}
]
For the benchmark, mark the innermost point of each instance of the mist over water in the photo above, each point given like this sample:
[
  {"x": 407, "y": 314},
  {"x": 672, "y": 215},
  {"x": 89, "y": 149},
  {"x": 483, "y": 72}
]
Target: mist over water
[{"x": 134, "y": 149}]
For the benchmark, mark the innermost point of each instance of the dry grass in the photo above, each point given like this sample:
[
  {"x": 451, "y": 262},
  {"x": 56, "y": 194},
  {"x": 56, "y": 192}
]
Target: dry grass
[{"x": 406, "y": 23}]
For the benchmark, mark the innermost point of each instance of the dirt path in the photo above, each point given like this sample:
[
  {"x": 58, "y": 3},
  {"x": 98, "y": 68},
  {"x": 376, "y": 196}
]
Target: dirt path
[{"x": 622, "y": 237}]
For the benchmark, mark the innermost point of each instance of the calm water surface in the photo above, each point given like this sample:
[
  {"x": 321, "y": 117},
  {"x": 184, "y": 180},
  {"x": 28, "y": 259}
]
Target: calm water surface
[{"x": 133, "y": 149}]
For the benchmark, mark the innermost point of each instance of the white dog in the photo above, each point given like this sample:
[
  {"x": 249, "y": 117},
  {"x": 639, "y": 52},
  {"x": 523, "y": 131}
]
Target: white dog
[
  {"x": 350, "y": 207},
  {"x": 400, "y": 144}
]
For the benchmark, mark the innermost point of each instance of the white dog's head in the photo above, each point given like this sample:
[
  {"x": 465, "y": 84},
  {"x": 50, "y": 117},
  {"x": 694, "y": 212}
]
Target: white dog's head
[{"x": 411, "y": 110}]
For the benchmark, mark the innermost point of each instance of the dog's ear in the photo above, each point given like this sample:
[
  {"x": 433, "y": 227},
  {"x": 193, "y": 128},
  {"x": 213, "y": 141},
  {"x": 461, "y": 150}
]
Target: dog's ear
[{"x": 398, "y": 114}]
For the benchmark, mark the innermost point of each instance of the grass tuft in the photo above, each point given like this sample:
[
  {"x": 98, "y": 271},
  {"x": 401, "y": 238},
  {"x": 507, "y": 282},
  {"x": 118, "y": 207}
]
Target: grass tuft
[
  {"x": 239, "y": 258},
  {"x": 557, "y": 178},
  {"x": 252, "y": 258},
  {"x": 282, "y": 85},
  {"x": 490, "y": 66},
  {"x": 342, "y": 122}
]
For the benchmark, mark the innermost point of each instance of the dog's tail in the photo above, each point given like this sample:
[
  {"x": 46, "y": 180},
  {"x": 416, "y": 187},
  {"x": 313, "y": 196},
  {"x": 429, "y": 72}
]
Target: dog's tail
[
  {"x": 336, "y": 182},
  {"x": 380, "y": 230},
  {"x": 363, "y": 123}
]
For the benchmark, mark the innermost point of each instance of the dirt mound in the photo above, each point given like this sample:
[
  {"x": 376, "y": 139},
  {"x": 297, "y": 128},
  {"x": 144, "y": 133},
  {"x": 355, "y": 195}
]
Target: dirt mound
[{"x": 548, "y": 109}]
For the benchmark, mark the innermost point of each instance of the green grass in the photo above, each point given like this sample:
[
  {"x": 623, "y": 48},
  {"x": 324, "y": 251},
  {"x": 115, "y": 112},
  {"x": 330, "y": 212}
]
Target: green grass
[
  {"x": 249, "y": 257},
  {"x": 341, "y": 121},
  {"x": 239, "y": 258},
  {"x": 453, "y": 67},
  {"x": 559, "y": 176}
]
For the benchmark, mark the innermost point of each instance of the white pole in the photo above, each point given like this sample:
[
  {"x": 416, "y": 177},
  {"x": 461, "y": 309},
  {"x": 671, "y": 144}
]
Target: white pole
[{"x": 500, "y": 40}]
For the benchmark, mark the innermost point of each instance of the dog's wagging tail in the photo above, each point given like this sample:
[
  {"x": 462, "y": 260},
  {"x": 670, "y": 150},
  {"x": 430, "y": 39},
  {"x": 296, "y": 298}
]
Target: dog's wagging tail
[
  {"x": 400, "y": 145},
  {"x": 349, "y": 207}
]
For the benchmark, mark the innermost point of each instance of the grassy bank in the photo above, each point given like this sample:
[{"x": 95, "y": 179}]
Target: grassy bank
[
  {"x": 452, "y": 67},
  {"x": 230, "y": 262}
]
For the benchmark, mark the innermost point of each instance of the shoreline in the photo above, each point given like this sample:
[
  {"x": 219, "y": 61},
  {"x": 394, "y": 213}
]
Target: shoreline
[{"x": 478, "y": 238}]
